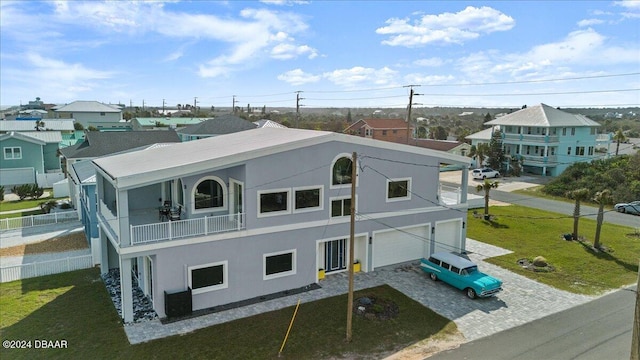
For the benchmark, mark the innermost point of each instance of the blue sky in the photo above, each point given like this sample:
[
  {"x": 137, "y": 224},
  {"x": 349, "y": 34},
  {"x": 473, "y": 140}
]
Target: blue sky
[{"x": 338, "y": 53}]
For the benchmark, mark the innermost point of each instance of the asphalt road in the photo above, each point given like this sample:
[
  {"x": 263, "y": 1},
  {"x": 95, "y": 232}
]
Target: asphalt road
[
  {"x": 600, "y": 329},
  {"x": 566, "y": 208}
]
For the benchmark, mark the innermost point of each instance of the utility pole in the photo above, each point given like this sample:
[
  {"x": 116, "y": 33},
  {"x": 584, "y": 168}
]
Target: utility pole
[
  {"x": 130, "y": 104},
  {"x": 354, "y": 173},
  {"x": 411, "y": 94},
  {"x": 142, "y": 104},
  {"x": 298, "y": 98},
  {"x": 233, "y": 108},
  {"x": 195, "y": 105},
  {"x": 635, "y": 337},
  {"x": 162, "y": 106}
]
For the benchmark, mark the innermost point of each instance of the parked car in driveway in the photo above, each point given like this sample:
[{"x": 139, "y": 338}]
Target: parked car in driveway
[
  {"x": 629, "y": 208},
  {"x": 460, "y": 273},
  {"x": 485, "y": 173}
]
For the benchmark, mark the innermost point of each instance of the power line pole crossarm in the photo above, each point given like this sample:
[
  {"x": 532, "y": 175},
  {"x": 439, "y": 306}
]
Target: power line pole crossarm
[{"x": 411, "y": 94}]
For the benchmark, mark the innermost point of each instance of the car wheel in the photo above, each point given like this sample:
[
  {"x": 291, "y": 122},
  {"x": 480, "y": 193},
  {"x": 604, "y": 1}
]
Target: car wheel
[
  {"x": 497, "y": 176},
  {"x": 433, "y": 276},
  {"x": 622, "y": 210},
  {"x": 471, "y": 293},
  {"x": 484, "y": 177}
]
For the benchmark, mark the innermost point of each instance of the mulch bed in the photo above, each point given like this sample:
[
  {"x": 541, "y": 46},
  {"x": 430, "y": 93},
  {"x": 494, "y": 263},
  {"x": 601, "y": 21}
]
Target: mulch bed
[{"x": 73, "y": 241}]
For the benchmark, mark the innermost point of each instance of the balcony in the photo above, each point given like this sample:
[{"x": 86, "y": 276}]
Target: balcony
[
  {"x": 533, "y": 160},
  {"x": 181, "y": 229},
  {"x": 544, "y": 139}
]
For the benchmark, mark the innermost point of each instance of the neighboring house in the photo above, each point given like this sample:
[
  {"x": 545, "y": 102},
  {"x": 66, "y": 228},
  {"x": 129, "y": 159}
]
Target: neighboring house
[
  {"x": 268, "y": 123},
  {"x": 450, "y": 146},
  {"x": 85, "y": 173},
  {"x": 220, "y": 125},
  {"x": 259, "y": 212},
  {"x": 97, "y": 144},
  {"x": 548, "y": 140},
  {"x": 89, "y": 113},
  {"x": 164, "y": 123},
  {"x": 29, "y": 158},
  {"x": 482, "y": 137},
  {"x": 62, "y": 126},
  {"x": 394, "y": 130}
]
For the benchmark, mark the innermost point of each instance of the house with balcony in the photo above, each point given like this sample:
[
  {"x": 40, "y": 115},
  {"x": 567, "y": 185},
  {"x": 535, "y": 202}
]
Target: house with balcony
[
  {"x": 548, "y": 140},
  {"x": 241, "y": 216},
  {"x": 89, "y": 113}
]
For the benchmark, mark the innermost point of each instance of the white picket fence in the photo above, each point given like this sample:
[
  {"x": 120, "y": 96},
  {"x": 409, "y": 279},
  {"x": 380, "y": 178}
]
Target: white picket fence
[
  {"x": 25, "y": 271},
  {"x": 37, "y": 220}
]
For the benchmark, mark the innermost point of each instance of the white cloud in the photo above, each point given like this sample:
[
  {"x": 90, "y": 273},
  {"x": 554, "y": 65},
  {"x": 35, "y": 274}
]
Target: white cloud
[
  {"x": 428, "y": 79},
  {"x": 290, "y": 51},
  {"x": 457, "y": 28},
  {"x": 298, "y": 77},
  {"x": 589, "y": 22},
  {"x": 430, "y": 62},
  {"x": 284, "y": 2},
  {"x": 359, "y": 75}
]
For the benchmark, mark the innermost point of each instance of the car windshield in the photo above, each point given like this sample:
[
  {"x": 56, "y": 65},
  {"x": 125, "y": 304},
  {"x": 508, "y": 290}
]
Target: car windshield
[{"x": 469, "y": 270}]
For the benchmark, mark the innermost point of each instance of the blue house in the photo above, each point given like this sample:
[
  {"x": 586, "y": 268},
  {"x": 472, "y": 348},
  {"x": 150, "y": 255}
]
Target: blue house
[
  {"x": 30, "y": 158},
  {"x": 548, "y": 140},
  {"x": 258, "y": 212}
]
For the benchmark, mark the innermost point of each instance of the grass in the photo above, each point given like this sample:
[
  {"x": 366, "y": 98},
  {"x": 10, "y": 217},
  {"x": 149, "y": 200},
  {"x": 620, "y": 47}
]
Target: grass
[
  {"x": 537, "y": 192},
  {"x": 75, "y": 307},
  {"x": 529, "y": 233}
]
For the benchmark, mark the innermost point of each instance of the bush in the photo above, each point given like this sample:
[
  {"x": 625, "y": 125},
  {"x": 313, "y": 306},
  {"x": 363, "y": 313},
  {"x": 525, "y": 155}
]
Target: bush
[
  {"x": 1, "y": 193},
  {"x": 540, "y": 261},
  {"x": 22, "y": 191},
  {"x": 48, "y": 205}
]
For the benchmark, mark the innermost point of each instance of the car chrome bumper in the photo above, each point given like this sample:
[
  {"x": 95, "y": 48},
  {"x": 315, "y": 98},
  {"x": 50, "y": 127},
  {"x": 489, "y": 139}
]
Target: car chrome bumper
[{"x": 490, "y": 292}]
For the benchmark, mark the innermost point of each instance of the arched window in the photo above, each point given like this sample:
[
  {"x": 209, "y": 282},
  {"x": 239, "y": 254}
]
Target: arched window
[
  {"x": 209, "y": 194},
  {"x": 341, "y": 171}
]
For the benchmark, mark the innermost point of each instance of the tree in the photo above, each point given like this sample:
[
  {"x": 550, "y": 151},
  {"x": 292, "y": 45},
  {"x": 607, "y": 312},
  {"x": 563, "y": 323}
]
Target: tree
[
  {"x": 578, "y": 195},
  {"x": 349, "y": 119},
  {"x": 487, "y": 117},
  {"x": 482, "y": 150},
  {"x": 495, "y": 153},
  {"x": 602, "y": 198},
  {"x": 486, "y": 186},
  {"x": 619, "y": 137}
]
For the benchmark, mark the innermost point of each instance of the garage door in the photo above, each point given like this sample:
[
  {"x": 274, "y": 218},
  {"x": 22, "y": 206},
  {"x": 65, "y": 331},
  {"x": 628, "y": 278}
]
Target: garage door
[
  {"x": 396, "y": 246},
  {"x": 17, "y": 176},
  {"x": 448, "y": 236}
]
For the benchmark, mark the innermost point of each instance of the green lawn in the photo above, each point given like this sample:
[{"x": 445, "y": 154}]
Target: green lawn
[
  {"x": 75, "y": 307},
  {"x": 529, "y": 233}
]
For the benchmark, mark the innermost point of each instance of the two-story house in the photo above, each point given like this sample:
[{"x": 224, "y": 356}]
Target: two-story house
[
  {"x": 259, "y": 212},
  {"x": 548, "y": 140},
  {"x": 394, "y": 130},
  {"x": 89, "y": 113},
  {"x": 30, "y": 158},
  {"x": 220, "y": 125}
]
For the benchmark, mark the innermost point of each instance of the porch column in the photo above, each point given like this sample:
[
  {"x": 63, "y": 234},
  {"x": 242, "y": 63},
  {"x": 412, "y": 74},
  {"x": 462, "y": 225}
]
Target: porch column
[
  {"x": 104, "y": 252},
  {"x": 123, "y": 218},
  {"x": 126, "y": 290}
]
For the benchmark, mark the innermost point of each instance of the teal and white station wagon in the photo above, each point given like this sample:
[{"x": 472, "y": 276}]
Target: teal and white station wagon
[{"x": 460, "y": 273}]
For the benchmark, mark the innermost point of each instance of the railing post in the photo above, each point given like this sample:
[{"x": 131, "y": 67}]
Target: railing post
[
  {"x": 55, "y": 217},
  {"x": 206, "y": 226},
  {"x": 133, "y": 242},
  {"x": 169, "y": 224}
]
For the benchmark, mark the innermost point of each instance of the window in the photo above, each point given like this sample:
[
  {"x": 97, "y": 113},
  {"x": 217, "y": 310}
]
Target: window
[
  {"x": 12, "y": 153},
  {"x": 564, "y": 131},
  {"x": 341, "y": 171},
  {"x": 274, "y": 202},
  {"x": 593, "y": 131},
  {"x": 590, "y": 150},
  {"x": 573, "y": 131},
  {"x": 553, "y": 151},
  {"x": 399, "y": 189},
  {"x": 308, "y": 199},
  {"x": 569, "y": 150},
  {"x": 279, "y": 264},
  {"x": 209, "y": 194},
  {"x": 368, "y": 132},
  {"x": 341, "y": 207},
  {"x": 102, "y": 114},
  {"x": 580, "y": 150},
  {"x": 208, "y": 277},
  {"x": 384, "y": 132},
  {"x": 395, "y": 131}
]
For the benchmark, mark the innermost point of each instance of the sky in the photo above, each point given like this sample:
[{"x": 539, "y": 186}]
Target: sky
[{"x": 344, "y": 54}]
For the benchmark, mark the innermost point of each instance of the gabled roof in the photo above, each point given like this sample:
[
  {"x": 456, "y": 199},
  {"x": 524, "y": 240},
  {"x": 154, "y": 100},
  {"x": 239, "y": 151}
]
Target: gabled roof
[
  {"x": 97, "y": 143},
  {"x": 148, "y": 166},
  {"x": 23, "y": 137},
  {"x": 27, "y": 125},
  {"x": 46, "y": 136},
  {"x": 543, "y": 116},
  {"x": 440, "y": 145},
  {"x": 87, "y": 106},
  {"x": 268, "y": 123},
  {"x": 379, "y": 124},
  {"x": 225, "y": 124},
  {"x": 168, "y": 121}
]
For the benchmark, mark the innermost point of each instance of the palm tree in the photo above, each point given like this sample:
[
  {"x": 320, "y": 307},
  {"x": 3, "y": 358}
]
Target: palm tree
[
  {"x": 486, "y": 186},
  {"x": 479, "y": 151},
  {"x": 619, "y": 137},
  {"x": 578, "y": 195},
  {"x": 602, "y": 198}
]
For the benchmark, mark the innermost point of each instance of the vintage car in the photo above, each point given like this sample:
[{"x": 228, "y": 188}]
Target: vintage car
[{"x": 460, "y": 273}]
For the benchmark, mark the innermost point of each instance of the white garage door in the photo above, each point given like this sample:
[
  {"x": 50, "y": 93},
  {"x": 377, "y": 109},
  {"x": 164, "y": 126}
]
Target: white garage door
[
  {"x": 17, "y": 176},
  {"x": 396, "y": 246},
  {"x": 448, "y": 236}
]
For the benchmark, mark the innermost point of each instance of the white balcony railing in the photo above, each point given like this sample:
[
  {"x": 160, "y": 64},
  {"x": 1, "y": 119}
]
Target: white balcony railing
[{"x": 170, "y": 230}]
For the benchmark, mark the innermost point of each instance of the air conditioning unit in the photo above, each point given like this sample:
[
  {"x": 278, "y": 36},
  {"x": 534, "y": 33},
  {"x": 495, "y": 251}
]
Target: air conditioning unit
[{"x": 178, "y": 304}]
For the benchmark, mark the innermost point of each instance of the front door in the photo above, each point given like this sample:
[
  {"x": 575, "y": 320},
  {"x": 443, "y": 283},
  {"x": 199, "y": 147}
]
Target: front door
[{"x": 335, "y": 255}]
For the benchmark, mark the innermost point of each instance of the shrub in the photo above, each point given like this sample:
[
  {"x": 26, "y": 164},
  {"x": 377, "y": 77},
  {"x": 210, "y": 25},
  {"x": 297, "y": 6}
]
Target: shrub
[
  {"x": 1, "y": 193},
  {"x": 48, "y": 205},
  {"x": 22, "y": 191},
  {"x": 540, "y": 261}
]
